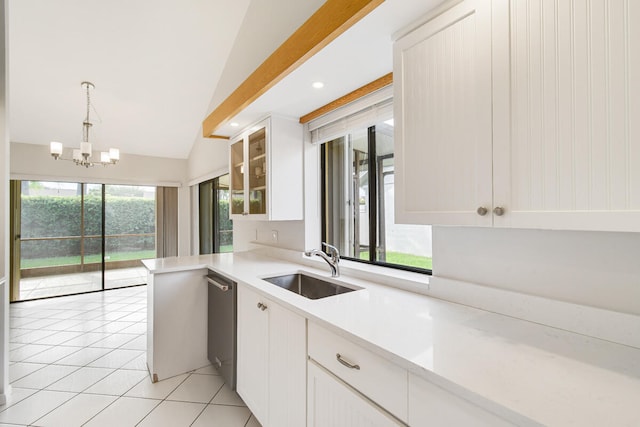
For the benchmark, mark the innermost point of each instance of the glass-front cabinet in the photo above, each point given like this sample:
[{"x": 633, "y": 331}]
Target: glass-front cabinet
[
  {"x": 249, "y": 173},
  {"x": 257, "y": 145},
  {"x": 265, "y": 162},
  {"x": 237, "y": 177}
]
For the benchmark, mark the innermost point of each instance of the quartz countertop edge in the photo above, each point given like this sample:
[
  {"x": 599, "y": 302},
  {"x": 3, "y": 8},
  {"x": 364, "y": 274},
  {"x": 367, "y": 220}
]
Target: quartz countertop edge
[{"x": 529, "y": 374}]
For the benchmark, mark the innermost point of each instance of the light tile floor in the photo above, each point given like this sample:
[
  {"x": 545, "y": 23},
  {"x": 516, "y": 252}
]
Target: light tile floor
[{"x": 81, "y": 360}]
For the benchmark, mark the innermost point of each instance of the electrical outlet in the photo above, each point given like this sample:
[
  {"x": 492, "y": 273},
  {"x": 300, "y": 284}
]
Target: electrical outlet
[{"x": 274, "y": 235}]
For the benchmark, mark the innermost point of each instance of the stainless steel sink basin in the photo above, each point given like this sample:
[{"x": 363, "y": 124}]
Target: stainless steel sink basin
[{"x": 308, "y": 286}]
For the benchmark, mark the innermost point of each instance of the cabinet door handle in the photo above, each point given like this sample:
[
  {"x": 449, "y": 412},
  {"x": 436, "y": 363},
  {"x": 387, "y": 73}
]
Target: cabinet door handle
[
  {"x": 245, "y": 213},
  {"x": 347, "y": 364},
  {"x": 261, "y": 306},
  {"x": 482, "y": 211},
  {"x": 498, "y": 211}
]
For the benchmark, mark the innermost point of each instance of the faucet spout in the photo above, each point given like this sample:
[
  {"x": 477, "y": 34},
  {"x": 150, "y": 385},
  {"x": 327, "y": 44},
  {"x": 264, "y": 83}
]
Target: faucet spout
[{"x": 332, "y": 259}]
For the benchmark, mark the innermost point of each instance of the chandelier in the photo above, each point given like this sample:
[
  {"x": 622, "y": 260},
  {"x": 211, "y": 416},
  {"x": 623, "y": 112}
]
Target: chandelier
[{"x": 82, "y": 156}]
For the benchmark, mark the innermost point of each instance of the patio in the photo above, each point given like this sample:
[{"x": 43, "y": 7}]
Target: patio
[{"x": 65, "y": 284}]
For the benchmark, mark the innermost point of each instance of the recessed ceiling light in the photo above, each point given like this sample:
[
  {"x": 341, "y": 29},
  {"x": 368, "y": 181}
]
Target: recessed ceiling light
[
  {"x": 317, "y": 85},
  {"x": 234, "y": 124}
]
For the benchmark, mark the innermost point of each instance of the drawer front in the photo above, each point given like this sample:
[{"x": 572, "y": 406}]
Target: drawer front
[
  {"x": 380, "y": 380},
  {"x": 332, "y": 403}
]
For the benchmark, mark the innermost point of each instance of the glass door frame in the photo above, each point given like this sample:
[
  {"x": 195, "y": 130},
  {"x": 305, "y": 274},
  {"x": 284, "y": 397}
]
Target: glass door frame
[{"x": 16, "y": 238}]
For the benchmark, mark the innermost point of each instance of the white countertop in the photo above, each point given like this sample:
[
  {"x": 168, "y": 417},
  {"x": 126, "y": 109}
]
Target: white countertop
[{"x": 548, "y": 375}]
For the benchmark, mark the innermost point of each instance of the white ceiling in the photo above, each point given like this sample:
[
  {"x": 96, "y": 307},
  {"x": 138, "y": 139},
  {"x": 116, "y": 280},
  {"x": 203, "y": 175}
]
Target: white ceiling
[
  {"x": 360, "y": 55},
  {"x": 156, "y": 64}
]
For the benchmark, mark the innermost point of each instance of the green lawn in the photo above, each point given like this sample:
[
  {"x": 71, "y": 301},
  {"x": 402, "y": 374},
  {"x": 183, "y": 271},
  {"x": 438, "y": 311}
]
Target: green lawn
[
  {"x": 89, "y": 259},
  {"x": 400, "y": 258}
]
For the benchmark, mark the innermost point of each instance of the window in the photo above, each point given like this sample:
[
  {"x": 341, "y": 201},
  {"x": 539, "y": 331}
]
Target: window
[
  {"x": 358, "y": 202},
  {"x": 216, "y": 229}
]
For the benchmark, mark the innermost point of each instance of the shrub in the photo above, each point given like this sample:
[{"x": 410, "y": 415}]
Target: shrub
[{"x": 60, "y": 216}]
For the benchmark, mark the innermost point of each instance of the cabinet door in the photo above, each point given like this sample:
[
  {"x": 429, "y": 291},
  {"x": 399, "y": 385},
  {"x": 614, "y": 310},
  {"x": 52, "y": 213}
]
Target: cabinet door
[
  {"x": 443, "y": 131},
  {"x": 430, "y": 405},
  {"x": 257, "y": 171},
  {"x": 287, "y": 367},
  {"x": 567, "y": 99},
  {"x": 236, "y": 169},
  {"x": 253, "y": 352},
  {"x": 332, "y": 403}
]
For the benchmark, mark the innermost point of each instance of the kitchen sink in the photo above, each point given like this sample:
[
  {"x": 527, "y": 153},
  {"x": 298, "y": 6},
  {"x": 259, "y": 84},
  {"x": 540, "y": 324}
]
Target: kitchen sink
[{"x": 308, "y": 286}]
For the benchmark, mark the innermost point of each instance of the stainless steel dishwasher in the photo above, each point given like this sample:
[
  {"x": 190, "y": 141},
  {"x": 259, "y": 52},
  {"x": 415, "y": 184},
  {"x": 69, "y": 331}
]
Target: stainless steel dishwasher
[{"x": 221, "y": 346}]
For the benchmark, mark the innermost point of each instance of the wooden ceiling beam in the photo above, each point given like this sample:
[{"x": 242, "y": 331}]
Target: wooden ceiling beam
[
  {"x": 333, "y": 18},
  {"x": 375, "y": 85}
]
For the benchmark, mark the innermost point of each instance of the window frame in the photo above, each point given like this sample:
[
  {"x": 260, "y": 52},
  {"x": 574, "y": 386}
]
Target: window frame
[{"x": 373, "y": 194}]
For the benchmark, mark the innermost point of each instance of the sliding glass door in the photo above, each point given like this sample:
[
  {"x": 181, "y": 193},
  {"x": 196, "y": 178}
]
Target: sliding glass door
[
  {"x": 216, "y": 228},
  {"x": 74, "y": 237},
  {"x": 129, "y": 233}
]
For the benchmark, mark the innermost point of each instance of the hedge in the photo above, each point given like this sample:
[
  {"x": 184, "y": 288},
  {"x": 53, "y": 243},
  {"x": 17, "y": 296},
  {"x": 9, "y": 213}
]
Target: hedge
[{"x": 60, "y": 216}]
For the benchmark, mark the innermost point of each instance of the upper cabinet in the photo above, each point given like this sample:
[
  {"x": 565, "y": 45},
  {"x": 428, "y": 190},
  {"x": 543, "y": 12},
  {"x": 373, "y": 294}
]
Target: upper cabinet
[
  {"x": 521, "y": 114},
  {"x": 442, "y": 101},
  {"x": 265, "y": 163}
]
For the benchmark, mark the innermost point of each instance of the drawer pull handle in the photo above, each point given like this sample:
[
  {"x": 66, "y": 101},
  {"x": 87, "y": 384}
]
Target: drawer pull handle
[
  {"x": 345, "y": 363},
  {"x": 261, "y": 306}
]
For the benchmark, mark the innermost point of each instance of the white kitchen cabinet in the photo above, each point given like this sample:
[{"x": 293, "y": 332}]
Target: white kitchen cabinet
[
  {"x": 442, "y": 114},
  {"x": 333, "y": 403},
  {"x": 430, "y": 405},
  {"x": 520, "y": 114},
  {"x": 567, "y": 103},
  {"x": 271, "y": 376},
  {"x": 265, "y": 164},
  {"x": 361, "y": 369}
]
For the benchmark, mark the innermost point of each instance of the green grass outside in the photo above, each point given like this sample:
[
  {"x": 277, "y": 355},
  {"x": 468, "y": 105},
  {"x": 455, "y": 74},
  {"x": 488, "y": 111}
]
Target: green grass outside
[
  {"x": 89, "y": 259},
  {"x": 400, "y": 258}
]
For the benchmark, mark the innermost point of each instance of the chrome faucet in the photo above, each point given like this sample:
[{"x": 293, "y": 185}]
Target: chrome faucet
[{"x": 332, "y": 260}]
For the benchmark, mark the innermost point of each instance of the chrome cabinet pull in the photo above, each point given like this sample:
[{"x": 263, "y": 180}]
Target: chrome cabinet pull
[
  {"x": 345, "y": 363},
  {"x": 223, "y": 288},
  {"x": 498, "y": 211},
  {"x": 482, "y": 211},
  {"x": 261, "y": 306}
]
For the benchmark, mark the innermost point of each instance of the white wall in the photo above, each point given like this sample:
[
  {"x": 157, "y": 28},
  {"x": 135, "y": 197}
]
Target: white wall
[
  {"x": 252, "y": 47},
  {"x": 290, "y": 234},
  {"x": 4, "y": 214},
  {"x": 32, "y": 161},
  {"x": 208, "y": 159},
  {"x": 599, "y": 269}
]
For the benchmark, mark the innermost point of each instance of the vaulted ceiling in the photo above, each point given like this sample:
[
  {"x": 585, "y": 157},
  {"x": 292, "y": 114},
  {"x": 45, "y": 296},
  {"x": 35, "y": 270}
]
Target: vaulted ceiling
[
  {"x": 160, "y": 67},
  {"x": 155, "y": 65}
]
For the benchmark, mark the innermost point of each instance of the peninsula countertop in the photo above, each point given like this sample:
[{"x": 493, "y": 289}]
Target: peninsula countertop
[{"x": 530, "y": 372}]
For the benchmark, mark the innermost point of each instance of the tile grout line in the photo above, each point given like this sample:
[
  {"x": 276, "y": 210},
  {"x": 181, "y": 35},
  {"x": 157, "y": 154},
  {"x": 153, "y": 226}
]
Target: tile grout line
[{"x": 139, "y": 305}]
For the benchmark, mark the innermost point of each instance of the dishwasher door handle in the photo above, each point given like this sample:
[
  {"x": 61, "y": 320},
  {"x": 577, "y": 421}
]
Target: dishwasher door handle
[{"x": 223, "y": 288}]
